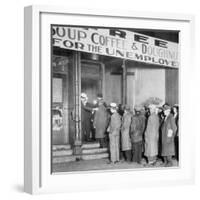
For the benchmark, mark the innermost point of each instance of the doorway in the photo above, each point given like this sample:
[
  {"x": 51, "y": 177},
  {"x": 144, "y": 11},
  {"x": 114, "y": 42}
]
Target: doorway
[{"x": 92, "y": 76}]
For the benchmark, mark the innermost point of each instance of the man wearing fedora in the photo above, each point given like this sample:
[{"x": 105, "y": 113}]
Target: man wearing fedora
[
  {"x": 114, "y": 133},
  {"x": 86, "y": 114},
  {"x": 168, "y": 130},
  {"x": 101, "y": 120}
]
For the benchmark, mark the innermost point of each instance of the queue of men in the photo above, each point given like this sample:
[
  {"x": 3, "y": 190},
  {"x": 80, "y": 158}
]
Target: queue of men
[{"x": 144, "y": 132}]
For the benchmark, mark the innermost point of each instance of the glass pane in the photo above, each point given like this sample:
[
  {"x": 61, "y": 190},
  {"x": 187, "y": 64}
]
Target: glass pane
[{"x": 62, "y": 100}]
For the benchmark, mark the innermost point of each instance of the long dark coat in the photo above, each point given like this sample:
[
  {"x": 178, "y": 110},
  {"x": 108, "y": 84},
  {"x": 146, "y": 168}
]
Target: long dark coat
[
  {"x": 137, "y": 128},
  {"x": 86, "y": 111},
  {"x": 101, "y": 120},
  {"x": 86, "y": 114},
  {"x": 168, "y": 146}
]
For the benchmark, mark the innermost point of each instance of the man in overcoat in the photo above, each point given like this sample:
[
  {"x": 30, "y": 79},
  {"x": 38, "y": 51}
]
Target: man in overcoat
[
  {"x": 168, "y": 133},
  {"x": 136, "y": 132},
  {"x": 114, "y": 133},
  {"x": 175, "y": 112},
  {"x": 101, "y": 120},
  {"x": 152, "y": 136},
  {"x": 125, "y": 133},
  {"x": 86, "y": 114}
]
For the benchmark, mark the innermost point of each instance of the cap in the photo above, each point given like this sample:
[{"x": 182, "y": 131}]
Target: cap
[
  {"x": 166, "y": 107},
  {"x": 176, "y": 105},
  {"x": 152, "y": 106},
  {"x": 113, "y": 105},
  {"x": 138, "y": 107},
  {"x": 127, "y": 107},
  {"x": 99, "y": 96}
]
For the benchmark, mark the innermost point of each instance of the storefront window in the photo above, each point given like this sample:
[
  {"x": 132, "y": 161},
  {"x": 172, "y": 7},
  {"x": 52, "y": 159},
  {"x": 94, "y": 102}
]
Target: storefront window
[{"x": 62, "y": 99}]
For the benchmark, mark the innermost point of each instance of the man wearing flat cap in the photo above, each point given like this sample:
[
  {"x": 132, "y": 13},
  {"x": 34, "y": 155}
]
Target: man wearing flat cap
[
  {"x": 136, "y": 132},
  {"x": 168, "y": 130},
  {"x": 175, "y": 112},
  {"x": 114, "y": 133},
  {"x": 152, "y": 135},
  {"x": 125, "y": 133}
]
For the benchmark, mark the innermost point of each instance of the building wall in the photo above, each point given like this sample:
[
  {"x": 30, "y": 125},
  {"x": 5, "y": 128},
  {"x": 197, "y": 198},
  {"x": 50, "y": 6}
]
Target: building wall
[
  {"x": 143, "y": 82},
  {"x": 150, "y": 82},
  {"x": 172, "y": 94},
  {"x": 113, "y": 86}
]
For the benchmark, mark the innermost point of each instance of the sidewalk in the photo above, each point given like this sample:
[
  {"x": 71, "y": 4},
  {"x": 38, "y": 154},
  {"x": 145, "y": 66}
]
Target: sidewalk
[{"x": 102, "y": 164}]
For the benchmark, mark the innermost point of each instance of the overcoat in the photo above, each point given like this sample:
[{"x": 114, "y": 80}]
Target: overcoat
[
  {"x": 101, "y": 120},
  {"x": 176, "y": 118},
  {"x": 114, "y": 133},
  {"x": 125, "y": 131},
  {"x": 152, "y": 136},
  {"x": 137, "y": 128},
  {"x": 168, "y": 146},
  {"x": 86, "y": 114}
]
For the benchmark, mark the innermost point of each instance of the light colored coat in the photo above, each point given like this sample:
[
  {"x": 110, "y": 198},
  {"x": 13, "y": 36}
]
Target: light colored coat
[
  {"x": 151, "y": 136},
  {"x": 125, "y": 132},
  {"x": 114, "y": 133},
  {"x": 168, "y": 146},
  {"x": 101, "y": 119}
]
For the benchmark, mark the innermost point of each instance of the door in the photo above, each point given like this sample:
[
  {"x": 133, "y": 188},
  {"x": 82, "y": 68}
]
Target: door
[
  {"x": 91, "y": 79},
  {"x": 115, "y": 88}
]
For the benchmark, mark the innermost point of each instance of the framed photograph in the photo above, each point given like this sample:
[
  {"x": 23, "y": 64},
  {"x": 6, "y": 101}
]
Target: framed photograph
[{"x": 107, "y": 101}]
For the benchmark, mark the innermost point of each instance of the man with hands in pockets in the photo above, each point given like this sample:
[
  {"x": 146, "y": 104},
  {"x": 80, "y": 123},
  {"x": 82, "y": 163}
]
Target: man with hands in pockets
[{"x": 168, "y": 130}]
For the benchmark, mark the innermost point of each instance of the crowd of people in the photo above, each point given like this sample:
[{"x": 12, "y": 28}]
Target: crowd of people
[{"x": 148, "y": 132}]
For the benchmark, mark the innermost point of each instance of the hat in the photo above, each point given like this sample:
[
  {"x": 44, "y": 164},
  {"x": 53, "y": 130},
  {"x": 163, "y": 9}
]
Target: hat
[
  {"x": 138, "y": 107},
  {"x": 166, "y": 107},
  {"x": 152, "y": 106},
  {"x": 83, "y": 95},
  {"x": 176, "y": 105},
  {"x": 99, "y": 96},
  {"x": 113, "y": 105},
  {"x": 127, "y": 107}
]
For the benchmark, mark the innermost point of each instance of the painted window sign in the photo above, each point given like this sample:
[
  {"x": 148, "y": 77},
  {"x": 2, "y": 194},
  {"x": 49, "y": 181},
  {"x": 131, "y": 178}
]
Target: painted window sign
[
  {"x": 57, "y": 119},
  {"x": 117, "y": 43}
]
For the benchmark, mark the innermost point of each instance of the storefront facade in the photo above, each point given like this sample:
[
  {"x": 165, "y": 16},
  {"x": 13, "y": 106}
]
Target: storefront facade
[{"x": 122, "y": 80}]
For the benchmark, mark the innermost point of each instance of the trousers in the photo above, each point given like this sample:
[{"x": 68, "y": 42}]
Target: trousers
[
  {"x": 114, "y": 147},
  {"x": 137, "y": 152}
]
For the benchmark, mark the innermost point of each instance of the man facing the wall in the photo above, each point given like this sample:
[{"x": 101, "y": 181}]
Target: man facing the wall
[{"x": 86, "y": 114}]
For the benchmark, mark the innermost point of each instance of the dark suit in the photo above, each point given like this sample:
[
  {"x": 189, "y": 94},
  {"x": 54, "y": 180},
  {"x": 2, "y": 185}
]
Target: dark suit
[
  {"x": 86, "y": 114},
  {"x": 176, "y": 139}
]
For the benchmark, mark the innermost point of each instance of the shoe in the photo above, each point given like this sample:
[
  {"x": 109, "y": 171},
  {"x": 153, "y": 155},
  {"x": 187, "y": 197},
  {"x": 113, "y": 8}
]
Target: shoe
[
  {"x": 169, "y": 164},
  {"x": 152, "y": 164}
]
